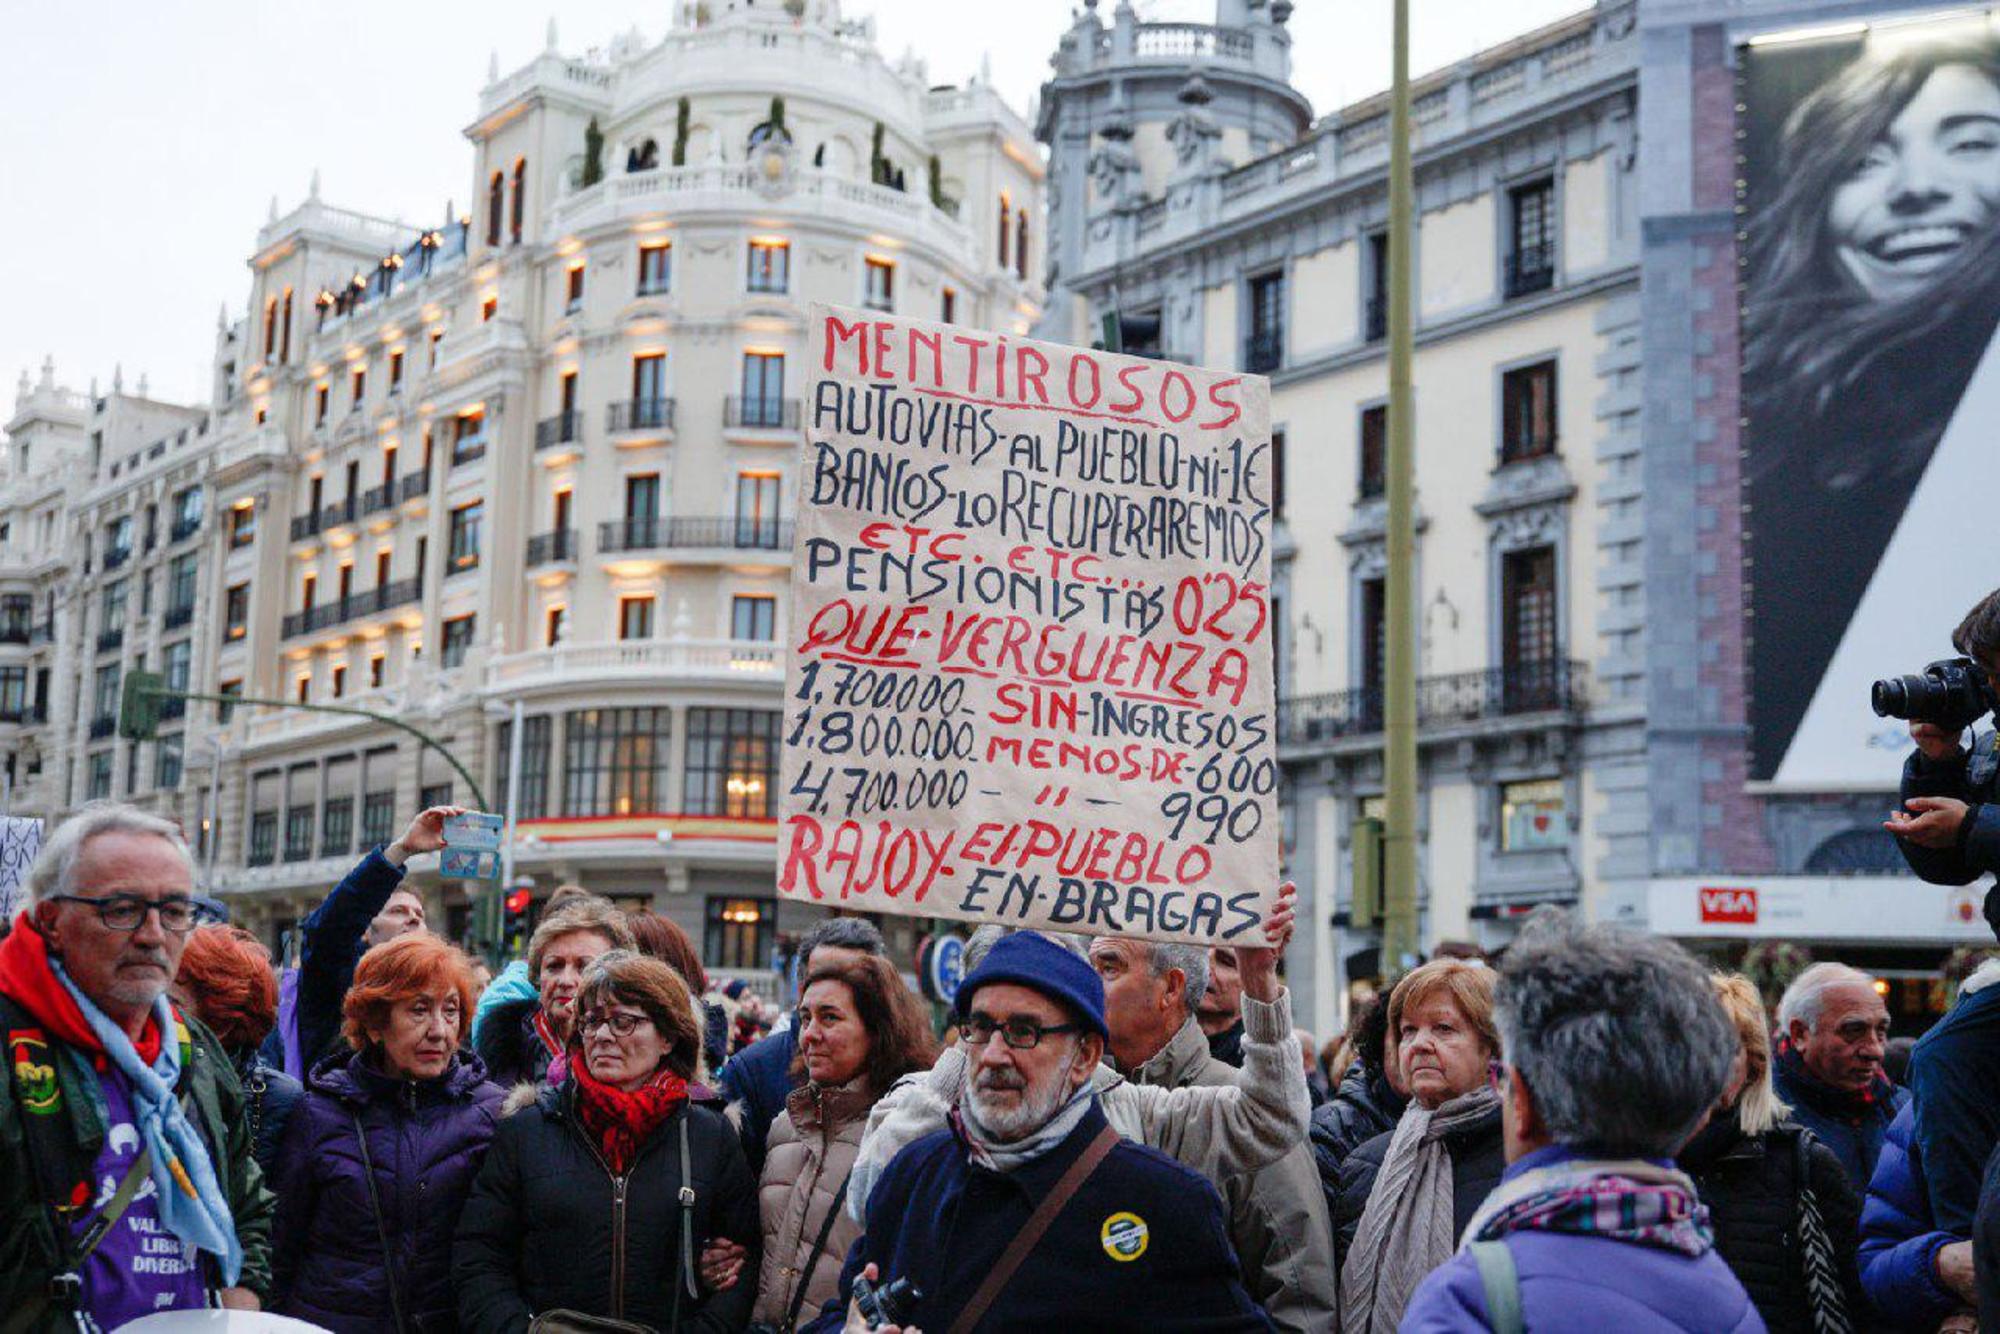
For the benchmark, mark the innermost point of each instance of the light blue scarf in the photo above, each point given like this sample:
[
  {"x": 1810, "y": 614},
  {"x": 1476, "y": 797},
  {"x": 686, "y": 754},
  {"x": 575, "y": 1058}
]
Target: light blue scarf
[{"x": 190, "y": 1201}]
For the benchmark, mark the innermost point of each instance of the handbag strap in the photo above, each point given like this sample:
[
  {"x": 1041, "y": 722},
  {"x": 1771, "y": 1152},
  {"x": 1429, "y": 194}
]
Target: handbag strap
[
  {"x": 1822, "y": 1276},
  {"x": 381, "y": 1227},
  {"x": 1038, "y": 1223},
  {"x": 685, "y": 1282},
  {"x": 1501, "y": 1281},
  {"x": 812, "y": 1261}
]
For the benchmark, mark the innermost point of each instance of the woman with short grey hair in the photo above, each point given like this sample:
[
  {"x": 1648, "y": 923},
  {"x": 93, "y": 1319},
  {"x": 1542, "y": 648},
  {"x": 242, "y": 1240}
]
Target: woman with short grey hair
[{"x": 1613, "y": 1049}]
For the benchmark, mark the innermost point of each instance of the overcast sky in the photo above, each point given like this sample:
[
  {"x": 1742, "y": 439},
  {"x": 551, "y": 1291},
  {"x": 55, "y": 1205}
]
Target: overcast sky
[{"x": 144, "y": 141}]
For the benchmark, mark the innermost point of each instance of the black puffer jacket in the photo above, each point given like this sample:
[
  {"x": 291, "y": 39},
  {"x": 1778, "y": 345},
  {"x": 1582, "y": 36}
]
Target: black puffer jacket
[
  {"x": 1478, "y": 1157},
  {"x": 1751, "y": 1188},
  {"x": 269, "y": 1098},
  {"x": 1363, "y": 1107},
  {"x": 510, "y": 1047},
  {"x": 545, "y": 1228}
]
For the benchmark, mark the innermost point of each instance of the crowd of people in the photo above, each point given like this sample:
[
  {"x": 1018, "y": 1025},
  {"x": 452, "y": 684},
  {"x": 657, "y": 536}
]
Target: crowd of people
[{"x": 1592, "y": 1132}]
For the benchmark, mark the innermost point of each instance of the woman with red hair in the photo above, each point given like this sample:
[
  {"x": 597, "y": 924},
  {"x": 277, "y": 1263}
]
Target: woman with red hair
[
  {"x": 225, "y": 978},
  {"x": 379, "y": 1159}
]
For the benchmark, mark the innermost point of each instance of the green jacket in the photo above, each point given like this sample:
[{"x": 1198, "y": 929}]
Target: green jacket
[{"x": 28, "y": 1250}]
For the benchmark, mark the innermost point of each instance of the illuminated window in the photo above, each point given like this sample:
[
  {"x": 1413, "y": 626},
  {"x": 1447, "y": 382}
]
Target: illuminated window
[
  {"x": 536, "y": 734},
  {"x": 466, "y": 522},
  {"x": 1533, "y": 816},
  {"x": 655, "y": 267},
  {"x": 770, "y": 266},
  {"x": 573, "y": 298},
  {"x": 615, "y": 761},
  {"x": 236, "y": 612},
  {"x": 732, "y": 762},
  {"x": 489, "y": 308},
  {"x": 880, "y": 293},
  {"x": 739, "y": 933}
]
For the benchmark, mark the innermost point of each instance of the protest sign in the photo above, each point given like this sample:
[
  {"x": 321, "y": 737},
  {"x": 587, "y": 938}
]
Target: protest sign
[{"x": 1030, "y": 671}]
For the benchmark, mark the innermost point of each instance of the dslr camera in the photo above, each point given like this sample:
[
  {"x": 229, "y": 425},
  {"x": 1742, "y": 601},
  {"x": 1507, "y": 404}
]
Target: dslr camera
[
  {"x": 886, "y": 1303},
  {"x": 1952, "y": 693}
]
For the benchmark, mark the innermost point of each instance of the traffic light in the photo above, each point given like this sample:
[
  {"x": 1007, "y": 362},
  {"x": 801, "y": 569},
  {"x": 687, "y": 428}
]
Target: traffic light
[
  {"x": 139, "y": 709},
  {"x": 1366, "y": 848},
  {"x": 515, "y": 923}
]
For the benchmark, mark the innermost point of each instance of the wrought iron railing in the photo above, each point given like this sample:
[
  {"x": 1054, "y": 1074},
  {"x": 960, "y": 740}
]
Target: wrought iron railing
[{"x": 1549, "y": 686}]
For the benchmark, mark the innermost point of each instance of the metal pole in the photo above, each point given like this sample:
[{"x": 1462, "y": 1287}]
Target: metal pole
[
  {"x": 513, "y": 804},
  {"x": 214, "y": 831},
  {"x": 1399, "y": 732}
]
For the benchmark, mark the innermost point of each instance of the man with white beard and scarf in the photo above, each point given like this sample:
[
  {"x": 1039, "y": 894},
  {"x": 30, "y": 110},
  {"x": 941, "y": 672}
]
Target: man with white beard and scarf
[{"x": 1028, "y": 1211}]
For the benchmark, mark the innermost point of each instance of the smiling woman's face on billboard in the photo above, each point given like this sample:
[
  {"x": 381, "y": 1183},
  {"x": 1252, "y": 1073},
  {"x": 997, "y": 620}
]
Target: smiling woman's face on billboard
[{"x": 1926, "y": 188}]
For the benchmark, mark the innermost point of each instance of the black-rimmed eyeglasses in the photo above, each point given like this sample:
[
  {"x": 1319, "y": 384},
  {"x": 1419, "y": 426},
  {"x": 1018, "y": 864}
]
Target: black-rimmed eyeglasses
[
  {"x": 124, "y": 912},
  {"x": 1020, "y": 1034}
]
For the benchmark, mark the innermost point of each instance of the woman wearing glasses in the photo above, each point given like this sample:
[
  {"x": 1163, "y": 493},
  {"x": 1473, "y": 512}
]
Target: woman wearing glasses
[
  {"x": 377, "y": 1162},
  {"x": 1407, "y": 1194},
  {"x": 860, "y": 1030},
  {"x": 596, "y": 1199}
]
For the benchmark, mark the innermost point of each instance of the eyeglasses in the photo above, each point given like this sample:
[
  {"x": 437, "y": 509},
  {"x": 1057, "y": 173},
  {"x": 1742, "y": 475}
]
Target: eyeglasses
[
  {"x": 124, "y": 912},
  {"x": 622, "y": 1025},
  {"x": 1496, "y": 1076},
  {"x": 1020, "y": 1034}
]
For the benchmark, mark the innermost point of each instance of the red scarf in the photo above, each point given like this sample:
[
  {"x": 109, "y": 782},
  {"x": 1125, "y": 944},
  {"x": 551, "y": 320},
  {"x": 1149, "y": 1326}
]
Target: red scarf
[
  {"x": 619, "y": 1122},
  {"x": 27, "y": 980},
  {"x": 558, "y": 1060}
]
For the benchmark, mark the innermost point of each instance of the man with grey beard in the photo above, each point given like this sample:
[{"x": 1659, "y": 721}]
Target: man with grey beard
[{"x": 1029, "y": 1210}]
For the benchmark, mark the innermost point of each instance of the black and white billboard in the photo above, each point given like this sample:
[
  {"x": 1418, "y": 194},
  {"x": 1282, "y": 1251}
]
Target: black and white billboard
[{"x": 1871, "y": 398}]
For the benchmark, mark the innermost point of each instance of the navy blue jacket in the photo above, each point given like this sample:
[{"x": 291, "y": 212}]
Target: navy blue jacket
[
  {"x": 1855, "y": 1136},
  {"x": 270, "y": 1096},
  {"x": 332, "y": 946},
  {"x": 1955, "y": 1074},
  {"x": 758, "y": 1079},
  {"x": 427, "y": 1141},
  {"x": 1899, "y": 1245},
  {"x": 942, "y": 1222}
]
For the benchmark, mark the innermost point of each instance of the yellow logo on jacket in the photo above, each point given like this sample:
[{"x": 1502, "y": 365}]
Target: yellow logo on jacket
[{"x": 1125, "y": 1237}]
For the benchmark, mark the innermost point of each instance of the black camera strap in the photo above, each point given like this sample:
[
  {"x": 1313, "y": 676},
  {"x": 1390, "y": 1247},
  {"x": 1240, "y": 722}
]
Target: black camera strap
[{"x": 812, "y": 1262}]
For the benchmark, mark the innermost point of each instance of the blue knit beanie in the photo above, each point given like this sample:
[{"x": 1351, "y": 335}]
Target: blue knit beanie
[{"x": 1032, "y": 960}]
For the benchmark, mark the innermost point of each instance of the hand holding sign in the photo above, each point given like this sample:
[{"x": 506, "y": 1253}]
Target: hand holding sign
[{"x": 1257, "y": 965}]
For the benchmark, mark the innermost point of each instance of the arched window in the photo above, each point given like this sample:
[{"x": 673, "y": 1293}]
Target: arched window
[
  {"x": 496, "y": 191},
  {"x": 768, "y": 131},
  {"x": 1021, "y": 243},
  {"x": 285, "y": 338},
  {"x": 270, "y": 325},
  {"x": 520, "y": 195},
  {"x": 1006, "y": 226}
]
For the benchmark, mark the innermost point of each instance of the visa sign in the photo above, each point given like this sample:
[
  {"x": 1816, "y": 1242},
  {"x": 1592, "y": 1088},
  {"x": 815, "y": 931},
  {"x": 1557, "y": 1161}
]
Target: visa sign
[{"x": 1736, "y": 906}]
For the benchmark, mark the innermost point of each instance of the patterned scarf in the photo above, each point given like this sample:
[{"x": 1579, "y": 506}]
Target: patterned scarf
[
  {"x": 619, "y": 1122},
  {"x": 1632, "y": 1201},
  {"x": 190, "y": 1199},
  {"x": 558, "y": 1057}
]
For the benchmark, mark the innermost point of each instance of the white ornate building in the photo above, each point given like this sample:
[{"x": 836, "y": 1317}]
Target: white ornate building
[{"x": 538, "y": 455}]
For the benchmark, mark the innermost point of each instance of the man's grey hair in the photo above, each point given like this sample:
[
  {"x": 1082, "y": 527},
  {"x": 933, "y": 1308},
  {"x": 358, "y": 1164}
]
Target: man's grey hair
[
  {"x": 1805, "y": 998},
  {"x": 986, "y": 937},
  {"x": 1618, "y": 1035},
  {"x": 54, "y": 871},
  {"x": 843, "y": 933},
  {"x": 1163, "y": 957}
]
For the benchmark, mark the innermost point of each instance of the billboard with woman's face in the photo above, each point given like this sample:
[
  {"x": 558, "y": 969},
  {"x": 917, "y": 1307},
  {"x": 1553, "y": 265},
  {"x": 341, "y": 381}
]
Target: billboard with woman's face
[{"x": 1871, "y": 438}]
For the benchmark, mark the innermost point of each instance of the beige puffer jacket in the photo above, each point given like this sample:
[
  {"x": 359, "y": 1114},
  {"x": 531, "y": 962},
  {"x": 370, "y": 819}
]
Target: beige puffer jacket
[{"x": 811, "y": 1150}]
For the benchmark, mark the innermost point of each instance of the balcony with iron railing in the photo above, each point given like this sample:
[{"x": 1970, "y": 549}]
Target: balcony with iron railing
[
  {"x": 654, "y": 534},
  {"x": 101, "y": 728},
  {"x": 345, "y": 511},
  {"x": 550, "y": 548},
  {"x": 116, "y": 556},
  {"x": 16, "y": 632},
  {"x": 639, "y": 414},
  {"x": 389, "y": 596},
  {"x": 415, "y": 484},
  {"x": 760, "y": 414},
  {"x": 184, "y": 528},
  {"x": 1531, "y": 269},
  {"x": 1460, "y": 699},
  {"x": 172, "y": 708},
  {"x": 378, "y": 498},
  {"x": 173, "y": 618},
  {"x": 24, "y": 713},
  {"x": 110, "y": 640},
  {"x": 565, "y": 428},
  {"x": 305, "y": 526},
  {"x": 465, "y": 451}
]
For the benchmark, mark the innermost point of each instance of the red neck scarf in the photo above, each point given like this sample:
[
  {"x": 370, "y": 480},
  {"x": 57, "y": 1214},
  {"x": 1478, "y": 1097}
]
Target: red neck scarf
[
  {"x": 27, "y": 979},
  {"x": 619, "y": 1122},
  {"x": 558, "y": 1059}
]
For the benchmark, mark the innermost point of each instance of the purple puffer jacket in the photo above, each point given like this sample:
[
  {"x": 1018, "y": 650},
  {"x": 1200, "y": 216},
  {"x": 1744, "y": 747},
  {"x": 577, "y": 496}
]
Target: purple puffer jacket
[
  {"x": 1581, "y": 1283},
  {"x": 426, "y": 1140}
]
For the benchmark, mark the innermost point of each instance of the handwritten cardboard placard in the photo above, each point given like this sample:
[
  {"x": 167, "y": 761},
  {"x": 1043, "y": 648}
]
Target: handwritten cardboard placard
[{"x": 1030, "y": 671}]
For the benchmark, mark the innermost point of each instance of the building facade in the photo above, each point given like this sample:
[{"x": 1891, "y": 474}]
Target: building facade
[
  {"x": 536, "y": 462},
  {"x": 1526, "y": 370}
]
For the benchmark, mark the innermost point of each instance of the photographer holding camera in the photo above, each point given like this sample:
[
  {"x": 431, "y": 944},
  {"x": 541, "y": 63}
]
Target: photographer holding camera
[{"x": 1949, "y": 825}]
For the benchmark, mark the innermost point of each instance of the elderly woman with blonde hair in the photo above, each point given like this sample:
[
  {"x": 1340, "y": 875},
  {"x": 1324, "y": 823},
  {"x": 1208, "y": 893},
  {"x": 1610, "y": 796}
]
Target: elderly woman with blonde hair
[
  {"x": 1784, "y": 1214},
  {"x": 1406, "y": 1195}
]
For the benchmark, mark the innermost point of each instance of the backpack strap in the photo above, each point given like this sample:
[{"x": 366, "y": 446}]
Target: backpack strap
[
  {"x": 1038, "y": 1223},
  {"x": 1502, "y": 1282}
]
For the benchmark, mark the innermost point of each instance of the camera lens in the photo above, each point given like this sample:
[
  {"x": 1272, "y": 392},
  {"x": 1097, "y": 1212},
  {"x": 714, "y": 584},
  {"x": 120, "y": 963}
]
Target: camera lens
[{"x": 1891, "y": 698}]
